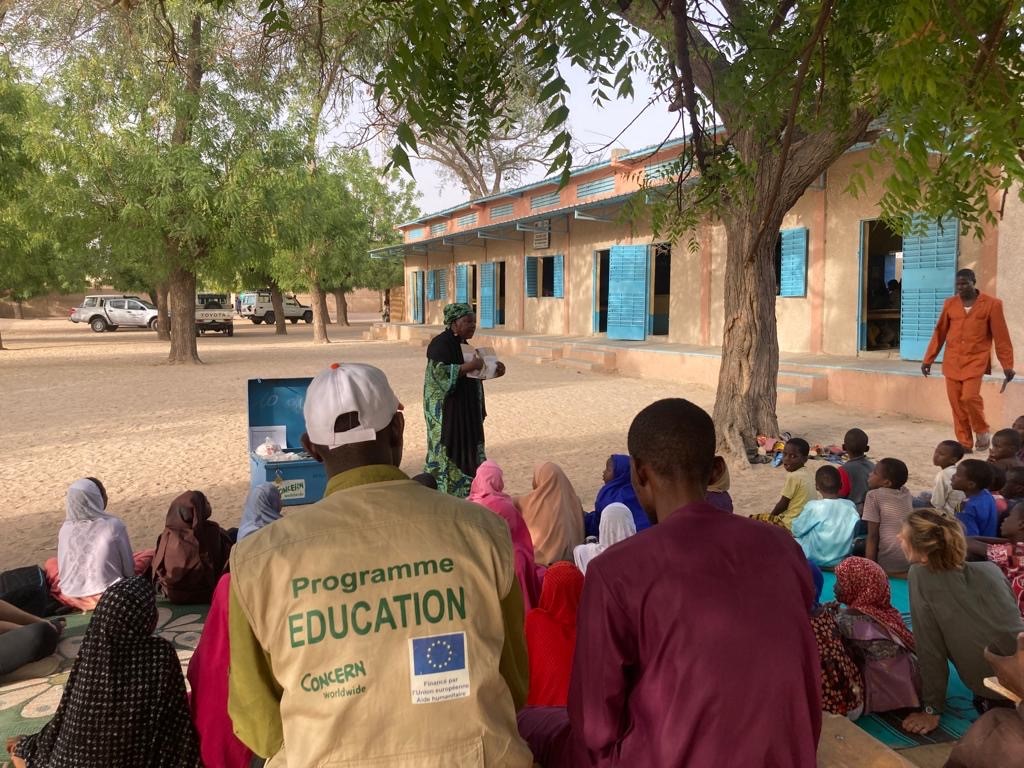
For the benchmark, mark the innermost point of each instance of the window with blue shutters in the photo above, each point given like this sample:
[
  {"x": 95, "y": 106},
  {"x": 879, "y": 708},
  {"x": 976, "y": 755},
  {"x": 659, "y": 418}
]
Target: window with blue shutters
[
  {"x": 545, "y": 276},
  {"x": 791, "y": 262},
  {"x": 501, "y": 211},
  {"x": 595, "y": 187},
  {"x": 531, "y": 277},
  {"x": 432, "y": 285},
  {"x": 442, "y": 284}
]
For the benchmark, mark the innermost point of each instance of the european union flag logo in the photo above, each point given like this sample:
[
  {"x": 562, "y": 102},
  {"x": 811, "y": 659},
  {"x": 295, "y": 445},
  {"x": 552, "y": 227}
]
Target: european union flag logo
[{"x": 441, "y": 653}]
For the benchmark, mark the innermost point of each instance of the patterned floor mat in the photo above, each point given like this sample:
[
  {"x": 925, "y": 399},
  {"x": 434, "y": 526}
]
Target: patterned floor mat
[{"x": 27, "y": 706}]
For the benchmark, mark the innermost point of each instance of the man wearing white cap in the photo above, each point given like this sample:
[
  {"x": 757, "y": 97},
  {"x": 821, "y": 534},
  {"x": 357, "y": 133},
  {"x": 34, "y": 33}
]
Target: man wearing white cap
[{"x": 383, "y": 624}]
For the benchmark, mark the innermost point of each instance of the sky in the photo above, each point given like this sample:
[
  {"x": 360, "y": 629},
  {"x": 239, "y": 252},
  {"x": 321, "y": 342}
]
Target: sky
[{"x": 595, "y": 128}]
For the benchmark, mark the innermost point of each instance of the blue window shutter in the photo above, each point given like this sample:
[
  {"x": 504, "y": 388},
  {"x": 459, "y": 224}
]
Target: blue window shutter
[
  {"x": 461, "y": 283},
  {"x": 559, "y": 276},
  {"x": 531, "y": 277},
  {"x": 793, "y": 278},
  {"x": 442, "y": 283},
  {"x": 417, "y": 297},
  {"x": 628, "y": 288},
  {"x": 487, "y": 293},
  {"x": 431, "y": 285},
  {"x": 929, "y": 271}
]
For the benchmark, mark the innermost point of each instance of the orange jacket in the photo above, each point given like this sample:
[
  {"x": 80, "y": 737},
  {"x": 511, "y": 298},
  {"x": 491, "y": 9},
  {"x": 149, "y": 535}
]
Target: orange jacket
[{"x": 968, "y": 337}]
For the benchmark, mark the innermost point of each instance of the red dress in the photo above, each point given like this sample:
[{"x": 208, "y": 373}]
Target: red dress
[{"x": 551, "y": 635}]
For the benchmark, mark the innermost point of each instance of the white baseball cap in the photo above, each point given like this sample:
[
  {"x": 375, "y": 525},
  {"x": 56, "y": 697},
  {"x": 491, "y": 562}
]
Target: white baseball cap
[{"x": 348, "y": 388}]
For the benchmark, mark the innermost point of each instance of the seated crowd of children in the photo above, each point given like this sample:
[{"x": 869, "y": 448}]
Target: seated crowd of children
[{"x": 960, "y": 545}]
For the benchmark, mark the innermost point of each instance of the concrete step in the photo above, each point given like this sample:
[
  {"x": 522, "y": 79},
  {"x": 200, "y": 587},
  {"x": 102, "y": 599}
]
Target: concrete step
[
  {"x": 602, "y": 357},
  {"x": 582, "y": 365},
  {"x": 796, "y": 395},
  {"x": 537, "y": 359},
  {"x": 815, "y": 382},
  {"x": 545, "y": 352}
]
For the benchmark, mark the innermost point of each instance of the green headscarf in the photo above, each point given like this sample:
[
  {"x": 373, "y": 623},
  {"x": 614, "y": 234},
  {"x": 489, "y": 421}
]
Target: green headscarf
[{"x": 453, "y": 312}]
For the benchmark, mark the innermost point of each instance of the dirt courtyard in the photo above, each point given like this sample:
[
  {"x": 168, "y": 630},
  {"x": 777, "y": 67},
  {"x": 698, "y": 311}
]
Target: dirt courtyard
[{"x": 76, "y": 404}]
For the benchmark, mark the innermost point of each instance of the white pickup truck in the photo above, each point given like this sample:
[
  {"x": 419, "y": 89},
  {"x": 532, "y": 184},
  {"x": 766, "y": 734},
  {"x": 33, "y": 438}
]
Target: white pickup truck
[
  {"x": 212, "y": 316},
  {"x": 256, "y": 306}
]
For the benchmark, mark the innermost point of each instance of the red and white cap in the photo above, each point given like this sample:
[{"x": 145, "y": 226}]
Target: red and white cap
[{"x": 346, "y": 388}]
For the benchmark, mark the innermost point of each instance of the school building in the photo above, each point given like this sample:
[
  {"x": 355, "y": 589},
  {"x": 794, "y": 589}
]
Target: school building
[{"x": 560, "y": 275}]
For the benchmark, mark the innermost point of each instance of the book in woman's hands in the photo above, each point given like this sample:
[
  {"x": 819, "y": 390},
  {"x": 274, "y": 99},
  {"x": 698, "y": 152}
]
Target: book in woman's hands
[{"x": 490, "y": 359}]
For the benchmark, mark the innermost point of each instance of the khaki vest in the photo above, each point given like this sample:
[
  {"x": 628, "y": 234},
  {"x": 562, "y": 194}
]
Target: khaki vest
[{"x": 379, "y": 608}]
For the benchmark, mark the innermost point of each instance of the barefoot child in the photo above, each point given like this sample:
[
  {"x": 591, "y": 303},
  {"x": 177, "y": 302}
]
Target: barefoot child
[
  {"x": 943, "y": 498},
  {"x": 799, "y": 487},
  {"x": 858, "y": 466},
  {"x": 825, "y": 527},
  {"x": 885, "y": 508},
  {"x": 977, "y": 514}
]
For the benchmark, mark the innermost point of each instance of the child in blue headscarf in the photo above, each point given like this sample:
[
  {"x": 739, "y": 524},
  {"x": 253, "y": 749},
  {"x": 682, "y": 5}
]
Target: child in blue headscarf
[
  {"x": 618, "y": 487},
  {"x": 262, "y": 506}
]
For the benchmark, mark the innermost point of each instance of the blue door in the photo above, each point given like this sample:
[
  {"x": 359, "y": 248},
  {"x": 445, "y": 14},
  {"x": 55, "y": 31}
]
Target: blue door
[
  {"x": 417, "y": 297},
  {"x": 628, "y": 272},
  {"x": 929, "y": 271},
  {"x": 487, "y": 291}
]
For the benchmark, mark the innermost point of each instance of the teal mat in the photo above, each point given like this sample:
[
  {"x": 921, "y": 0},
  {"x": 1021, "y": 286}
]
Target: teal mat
[{"x": 959, "y": 712}]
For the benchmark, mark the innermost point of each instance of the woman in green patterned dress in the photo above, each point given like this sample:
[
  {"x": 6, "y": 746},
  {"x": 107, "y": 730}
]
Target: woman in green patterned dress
[{"x": 453, "y": 404}]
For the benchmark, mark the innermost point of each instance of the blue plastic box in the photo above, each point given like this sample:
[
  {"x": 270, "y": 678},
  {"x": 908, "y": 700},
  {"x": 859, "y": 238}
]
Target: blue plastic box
[{"x": 276, "y": 405}]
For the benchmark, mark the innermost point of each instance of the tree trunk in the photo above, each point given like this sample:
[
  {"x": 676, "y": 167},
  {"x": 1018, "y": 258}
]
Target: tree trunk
[
  {"x": 746, "y": 397},
  {"x": 319, "y": 314},
  {"x": 163, "y": 319},
  {"x": 341, "y": 306},
  {"x": 278, "y": 303},
  {"x": 2, "y": 347},
  {"x": 183, "y": 317},
  {"x": 19, "y": 310},
  {"x": 385, "y": 310}
]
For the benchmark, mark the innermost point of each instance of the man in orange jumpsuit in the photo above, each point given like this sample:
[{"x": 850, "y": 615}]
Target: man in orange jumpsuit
[{"x": 969, "y": 323}]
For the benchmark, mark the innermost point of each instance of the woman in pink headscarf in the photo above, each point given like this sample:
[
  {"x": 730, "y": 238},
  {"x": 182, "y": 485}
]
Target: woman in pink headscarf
[{"x": 488, "y": 490}]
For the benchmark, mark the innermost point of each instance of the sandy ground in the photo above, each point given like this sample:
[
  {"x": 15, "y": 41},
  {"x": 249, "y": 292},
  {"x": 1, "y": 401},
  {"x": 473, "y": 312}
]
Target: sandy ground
[{"x": 74, "y": 404}]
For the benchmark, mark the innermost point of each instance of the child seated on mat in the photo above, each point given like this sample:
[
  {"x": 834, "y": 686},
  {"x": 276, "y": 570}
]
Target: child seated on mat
[
  {"x": 885, "y": 508},
  {"x": 858, "y": 466},
  {"x": 825, "y": 527},
  {"x": 1013, "y": 487},
  {"x": 1006, "y": 445},
  {"x": 799, "y": 487},
  {"x": 882, "y": 645},
  {"x": 1018, "y": 427},
  {"x": 942, "y": 497},
  {"x": 957, "y": 609},
  {"x": 977, "y": 514},
  {"x": 1006, "y": 552},
  {"x": 842, "y": 685}
]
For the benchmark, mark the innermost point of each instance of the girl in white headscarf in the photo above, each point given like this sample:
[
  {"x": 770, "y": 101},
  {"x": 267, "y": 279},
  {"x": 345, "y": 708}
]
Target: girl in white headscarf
[
  {"x": 616, "y": 525},
  {"x": 93, "y": 549}
]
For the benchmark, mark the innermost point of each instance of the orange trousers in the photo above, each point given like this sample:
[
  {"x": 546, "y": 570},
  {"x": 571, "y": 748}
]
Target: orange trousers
[{"x": 968, "y": 409}]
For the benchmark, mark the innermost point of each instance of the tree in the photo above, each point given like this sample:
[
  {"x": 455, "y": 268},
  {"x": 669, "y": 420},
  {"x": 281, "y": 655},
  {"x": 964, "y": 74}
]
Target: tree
[
  {"x": 772, "y": 93},
  {"x": 512, "y": 148}
]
